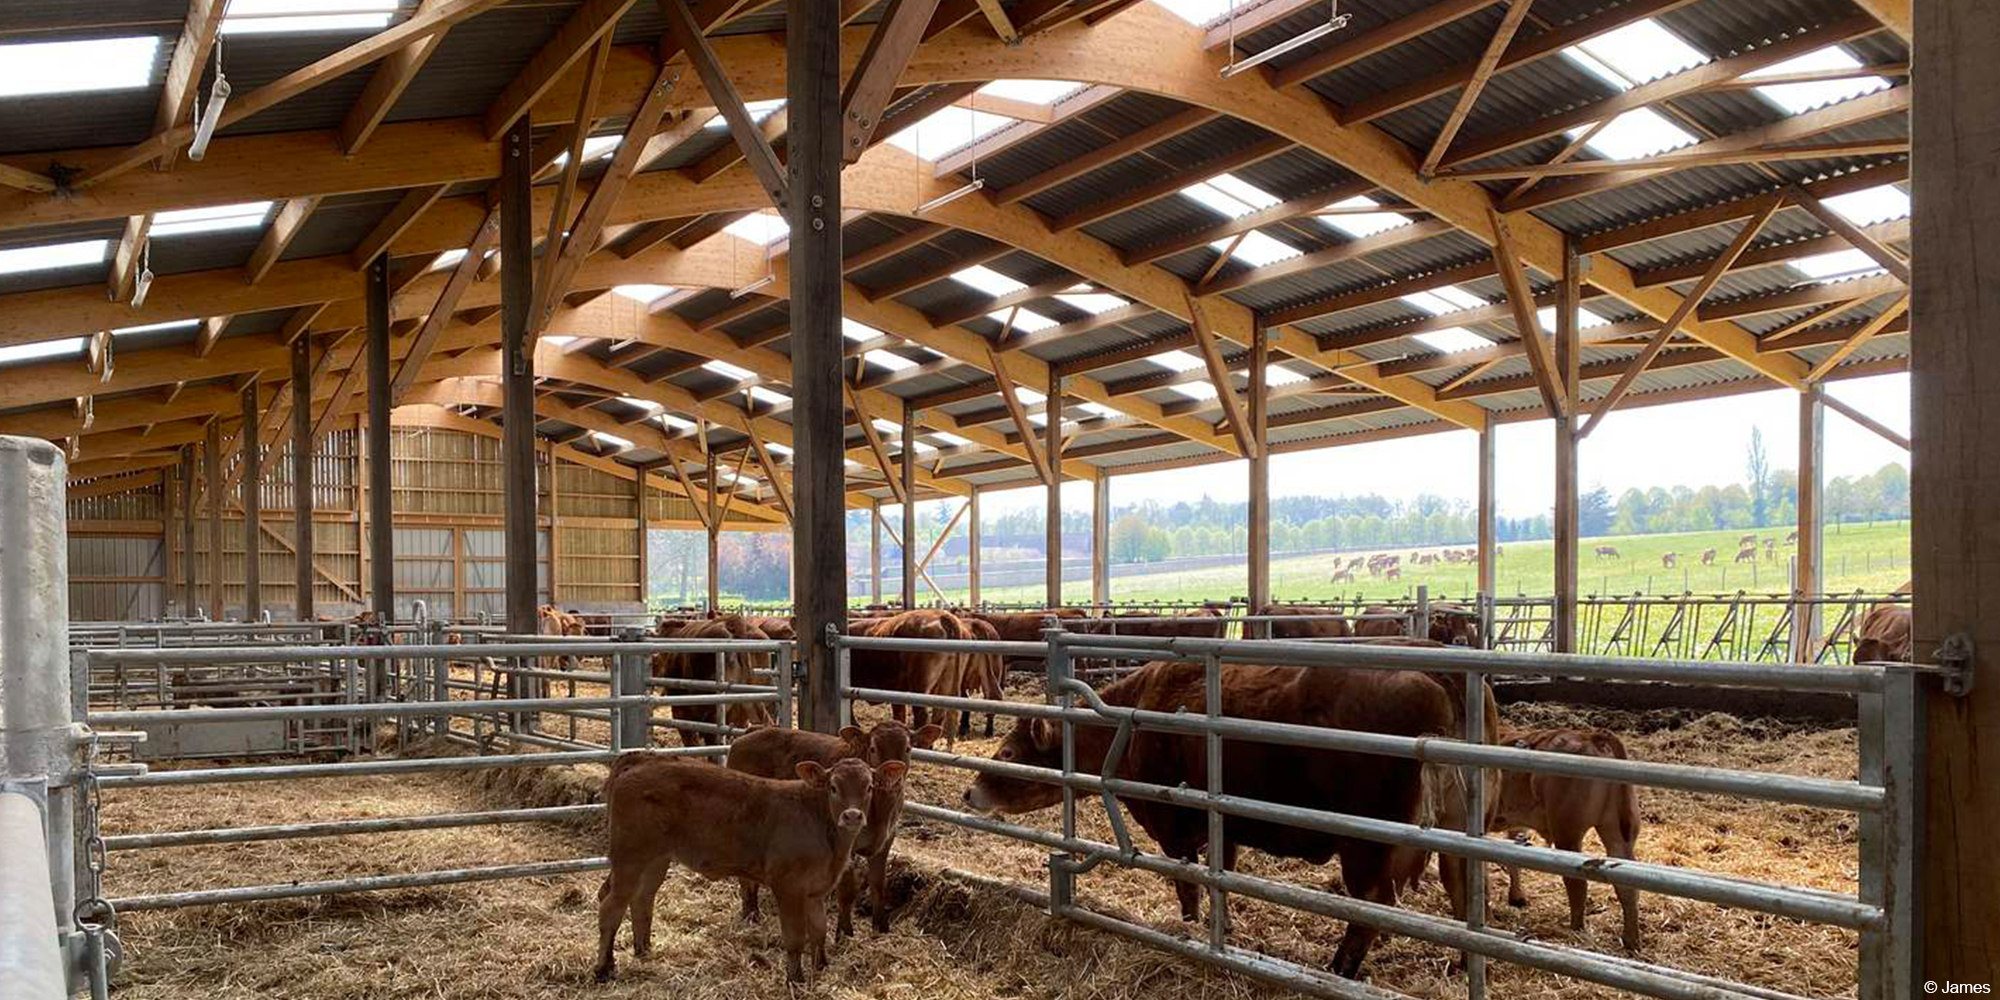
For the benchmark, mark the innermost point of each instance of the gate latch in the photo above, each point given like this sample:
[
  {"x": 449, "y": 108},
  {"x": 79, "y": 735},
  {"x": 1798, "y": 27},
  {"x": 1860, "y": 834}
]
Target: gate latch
[{"x": 1954, "y": 657}]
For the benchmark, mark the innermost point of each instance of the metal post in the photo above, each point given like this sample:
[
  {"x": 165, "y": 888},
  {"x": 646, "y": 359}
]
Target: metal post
[
  {"x": 1218, "y": 901},
  {"x": 1420, "y": 615},
  {"x": 1100, "y": 540},
  {"x": 1259, "y": 573},
  {"x": 972, "y": 550},
  {"x": 302, "y": 478},
  {"x": 1568, "y": 300},
  {"x": 628, "y": 677},
  {"x": 813, "y": 210},
  {"x": 1062, "y": 881},
  {"x": 1489, "y": 539},
  {"x": 1807, "y": 575},
  {"x": 640, "y": 526},
  {"x": 381, "y": 521},
  {"x": 908, "y": 470},
  {"x": 188, "y": 598},
  {"x": 1475, "y": 824},
  {"x": 211, "y": 476},
  {"x": 874, "y": 551},
  {"x": 713, "y": 551},
  {"x": 31, "y": 959},
  {"x": 1052, "y": 514}
]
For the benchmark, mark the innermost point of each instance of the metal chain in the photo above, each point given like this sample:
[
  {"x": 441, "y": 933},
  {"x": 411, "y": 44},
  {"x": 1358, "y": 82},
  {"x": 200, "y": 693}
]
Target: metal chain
[{"x": 93, "y": 911}]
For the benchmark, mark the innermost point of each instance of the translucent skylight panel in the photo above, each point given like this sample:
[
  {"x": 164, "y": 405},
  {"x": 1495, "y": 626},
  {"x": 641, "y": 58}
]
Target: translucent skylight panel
[
  {"x": 1836, "y": 265},
  {"x": 77, "y": 66},
  {"x": 1229, "y": 196},
  {"x": 1027, "y": 396},
  {"x": 1243, "y": 191},
  {"x": 1636, "y": 133},
  {"x": 42, "y": 349},
  {"x": 893, "y": 362},
  {"x": 1448, "y": 299},
  {"x": 951, "y": 439},
  {"x": 642, "y": 293},
  {"x": 52, "y": 256},
  {"x": 726, "y": 369},
  {"x": 593, "y": 147},
  {"x": 611, "y": 439},
  {"x": 172, "y": 324},
  {"x": 947, "y": 130},
  {"x": 1367, "y": 224},
  {"x": 759, "y": 110},
  {"x": 1025, "y": 320},
  {"x": 1257, "y": 249},
  {"x": 1872, "y": 205},
  {"x": 1195, "y": 390},
  {"x": 761, "y": 228},
  {"x": 857, "y": 332},
  {"x": 1800, "y": 97},
  {"x": 1197, "y": 12},
  {"x": 778, "y": 449},
  {"x": 643, "y": 404},
  {"x": 1453, "y": 340},
  {"x": 214, "y": 218},
  {"x": 557, "y": 340},
  {"x": 763, "y": 395},
  {"x": 986, "y": 280},
  {"x": 248, "y": 17},
  {"x": 886, "y": 426},
  {"x": 1099, "y": 410},
  {"x": 1586, "y": 319},
  {"x": 673, "y": 423},
  {"x": 1178, "y": 361},
  {"x": 1281, "y": 375},
  {"x": 1032, "y": 91},
  {"x": 1092, "y": 302},
  {"x": 1634, "y": 54}
]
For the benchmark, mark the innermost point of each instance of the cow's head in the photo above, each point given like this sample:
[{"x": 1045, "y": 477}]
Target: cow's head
[
  {"x": 889, "y": 740},
  {"x": 1035, "y": 743},
  {"x": 848, "y": 785}
]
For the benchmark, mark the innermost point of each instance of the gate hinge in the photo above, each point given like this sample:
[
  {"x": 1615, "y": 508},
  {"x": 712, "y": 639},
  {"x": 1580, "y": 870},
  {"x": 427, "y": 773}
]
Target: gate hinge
[{"x": 1954, "y": 656}]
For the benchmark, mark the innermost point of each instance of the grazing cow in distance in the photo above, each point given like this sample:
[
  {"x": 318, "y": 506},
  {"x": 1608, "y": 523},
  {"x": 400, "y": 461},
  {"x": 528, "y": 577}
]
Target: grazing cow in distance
[
  {"x": 1770, "y": 548},
  {"x": 1342, "y": 576},
  {"x": 1747, "y": 555},
  {"x": 1607, "y": 552},
  {"x": 1792, "y": 539},
  {"x": 1746, "y": 540},
  {"x": 1356, "y": 563},
  {"x": 1393, "y": 573},
  {"x": 737, "y": 668},
  {"x": 1883, "y": 635},
  {"x": 777, "y": 753},
  {"x": 1398, "y": 703},
  {"x": 1563, "y": 809},
  {"x": 1670, "y": 560},
  {"x": 794, "y": 836},
  {"x": 1708, "y": 557}
]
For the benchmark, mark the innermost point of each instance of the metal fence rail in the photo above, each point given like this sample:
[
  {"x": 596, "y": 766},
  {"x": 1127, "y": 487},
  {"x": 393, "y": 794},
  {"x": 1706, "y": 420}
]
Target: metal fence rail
[{"x": 1880, "y": 911}]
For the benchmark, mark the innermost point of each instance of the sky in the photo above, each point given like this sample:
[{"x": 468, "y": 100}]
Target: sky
[{"x": 1694, "y": 444}]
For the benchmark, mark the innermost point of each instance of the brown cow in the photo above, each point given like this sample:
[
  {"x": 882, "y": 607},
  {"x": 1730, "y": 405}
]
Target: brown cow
[
  {"x": 1450, "y": 625},
  {"x": 1343, "y": 576},
  {"x": 1747, "y": 555},
  {"x": 1198, "y": 623},
  {"x": 984, "y": 672},
  {"x": 556, "y": 621},
  {"x": 921, "y": 673},
  {"x": 1329, "y": 627},
  {"x": 1708, "y": 557},
  {"x": 1746, "y": 540},
  {"x": 777, "y": 753},
  {"x": 1670, "y": 560},
  {"x": 1607, "y": 552},
  {"x": 736, "y": 669},
  {"x": 794, "y": 836},
  {"x": 1792, "y": 538},
  {"x": 1025, "y": 626},
  {"x": 1402, "y": 703},
  {"x": 1394, "y": 572},
  {"x": 775, "y": 628},
  {"x": 1563, "y": 809},
  {"x": 1883, "y": 635}
]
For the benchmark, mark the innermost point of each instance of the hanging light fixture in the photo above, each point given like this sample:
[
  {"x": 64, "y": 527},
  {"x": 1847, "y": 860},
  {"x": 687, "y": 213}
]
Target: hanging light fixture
[
  {"x": 211, "y": 117},
  {"x": 1335, "y": 21},
  {"x": 977, "y": 182},
  {"x": 144, "y": 282}
]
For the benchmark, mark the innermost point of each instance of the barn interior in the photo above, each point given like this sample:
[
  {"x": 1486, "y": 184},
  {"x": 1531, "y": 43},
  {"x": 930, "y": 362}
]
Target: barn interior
[{"x": 458, "y": 301}]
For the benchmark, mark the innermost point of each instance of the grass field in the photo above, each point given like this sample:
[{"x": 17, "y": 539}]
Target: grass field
[{"x": 1874, "y": 558}]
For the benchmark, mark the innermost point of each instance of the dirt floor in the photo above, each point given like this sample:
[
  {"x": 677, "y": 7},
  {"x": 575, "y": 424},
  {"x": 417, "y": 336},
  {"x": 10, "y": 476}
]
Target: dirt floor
[{"x": 535, "y": 938}]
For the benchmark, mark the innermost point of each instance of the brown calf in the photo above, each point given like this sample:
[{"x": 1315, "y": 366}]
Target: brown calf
[
  {"x": 556, "y": 621},
  {"x": 737, "y": 668},
  {"x": 1563, "y": 809},
  {"x": 1883, "y": 634},
  {"x": 777, "y": 753},
  {"x": 794, "y": 836}
]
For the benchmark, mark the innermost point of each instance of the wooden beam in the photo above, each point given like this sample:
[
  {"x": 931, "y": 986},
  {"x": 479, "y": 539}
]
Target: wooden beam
[
  {"x": 1866, "y": 421},
  {"x": 1689, "y": 304},
  {"x": 1353, "y": 49},
  {"x": 1218, "y": 375},
  {"x": 1104, "y": 155},
  {"x": 385, "y": 87},
  {"x": 1517, "y": 11},
  {"x": 1894, "y": 15},
  {"x": 286, "y": 224},
  {"x": 128, "y": 257},
  {"x": 1890, "y": 261},
  {"x": 996, "y": 16},
  {"x": 1020, "y": 417},
  {"x": 874, "y": 79},
  {"x": 874, "y": 439},
  {"x": 462, "y": 277},
  {"x": 546, "y": 294},
  {"x": 181, "y": 87},
  {"x": 1683, "y": 161},
  {"x": 1860, "y": 337},
  {"x": 26, "y": 180},
  {"x": 1521, "y": 299},
  {"x": 688, "y": 36},
  {"x": 588, "y": 25},
  {"x": 414, "y": 203}
]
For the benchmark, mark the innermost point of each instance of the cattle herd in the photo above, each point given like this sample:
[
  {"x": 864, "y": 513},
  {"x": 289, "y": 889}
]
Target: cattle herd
[{"x": 808, "y": 815}]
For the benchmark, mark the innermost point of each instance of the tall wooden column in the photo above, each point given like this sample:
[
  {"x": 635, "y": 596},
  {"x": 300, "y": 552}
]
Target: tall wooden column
[
  {"x": 253, "y": 507},
  {"x": 1488, "y": 535},
  {"x": 1259, "y": 463},
  {"x": 211, "y": 483},
  {"x": 640, "y": 525},
  {"x": 812, "y": 208},
  {"x": 908, "y": 470},
  {"x": 1052, "y": 449},
  {"x": 1568, "y": 302},
  {"x": 1100, "y": 540},
  {"x": 874, "y": 551},
  {"x": 1808, "y": 577},
  {"x": 188, "y": 596},
  {"x": 972, "y": 550},
  {"x": 381, "y": 523},
  {"x": 714, "y": 550},
  {"x": 302, "y": 478},
  {"x": 517, "y": 380},
  {"x": 1955, "y": 452}
]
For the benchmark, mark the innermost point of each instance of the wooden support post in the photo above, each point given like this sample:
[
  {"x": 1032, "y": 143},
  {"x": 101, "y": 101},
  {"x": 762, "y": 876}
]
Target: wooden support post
[
  {"x": 875, "y": 552},
  {"x": 1259, "y": 391},
  {"x": 1807, "y": 575},
  {"x": 972, "y": 550},
  {"x": 554, "y": 496},
  {"x": 1052, "y": 448},
  {"x": 1955, "y": 438},
  {"x": 517, "y": 378},
  {"x": 714, "y": 552},
  {"x": 1488, "y": 536},
  {"x": 908, "y": 470},
  {"x": 253, "y": 506},
  {"x": 1100, "y": 541},
  {"x": 302, "y": 479},
  {"x": 381, "y": 525},
  {"x": 813, "y": 210},
  {"x": 188, "y": 597},
  {"x": 639, "y": 522},
  {"x": 1568, "y": 302},
  {"x": 211, "y": 483}
]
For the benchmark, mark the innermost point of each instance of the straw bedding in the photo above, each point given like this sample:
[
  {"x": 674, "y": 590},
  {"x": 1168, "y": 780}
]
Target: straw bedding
[{"x": 535, "y": 938}]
